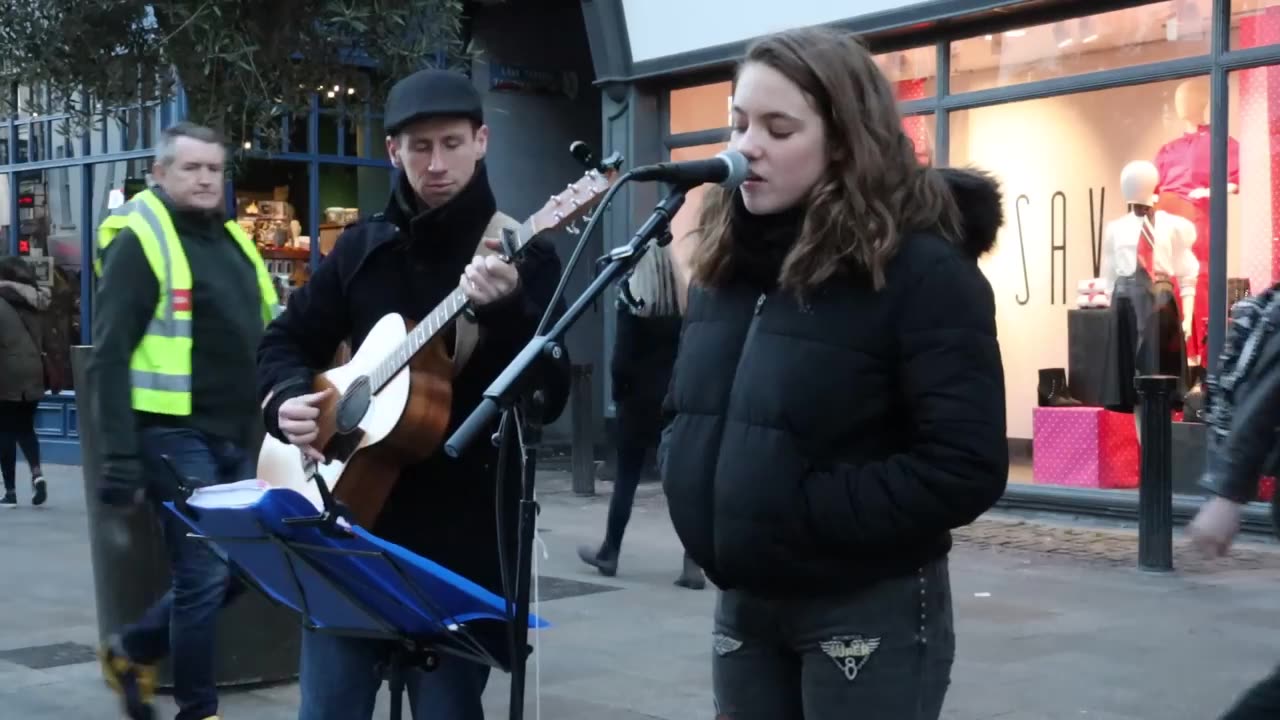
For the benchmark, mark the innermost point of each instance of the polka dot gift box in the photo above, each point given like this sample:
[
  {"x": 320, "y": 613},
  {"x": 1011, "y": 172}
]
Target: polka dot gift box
[{"x": 1084, "y": 447}]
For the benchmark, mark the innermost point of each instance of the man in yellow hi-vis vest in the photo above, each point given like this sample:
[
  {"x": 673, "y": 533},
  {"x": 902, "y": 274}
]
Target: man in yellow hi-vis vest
[{"x": 182, "y": 300}]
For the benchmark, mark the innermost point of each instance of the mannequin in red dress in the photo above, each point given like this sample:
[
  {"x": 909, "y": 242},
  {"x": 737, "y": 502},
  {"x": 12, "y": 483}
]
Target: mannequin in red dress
[{"x": 1183, "y": 164}]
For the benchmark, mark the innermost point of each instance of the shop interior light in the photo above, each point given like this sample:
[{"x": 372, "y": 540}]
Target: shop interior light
[
  {"x": 1062, "y": 36},
  {"x": 1088, "y": 31}
]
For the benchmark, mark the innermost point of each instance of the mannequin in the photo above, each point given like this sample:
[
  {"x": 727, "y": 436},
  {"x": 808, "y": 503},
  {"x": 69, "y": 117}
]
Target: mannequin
[
  {"x": 1152, "y": 293},
  {"x": 1183, "y": 164}
]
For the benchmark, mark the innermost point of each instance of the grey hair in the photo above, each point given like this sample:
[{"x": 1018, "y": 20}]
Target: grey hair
[{"x": 166, "y": 149}]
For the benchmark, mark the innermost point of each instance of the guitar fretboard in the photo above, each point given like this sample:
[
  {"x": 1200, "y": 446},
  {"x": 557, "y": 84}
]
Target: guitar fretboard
[{"x": 453, "y": 305}]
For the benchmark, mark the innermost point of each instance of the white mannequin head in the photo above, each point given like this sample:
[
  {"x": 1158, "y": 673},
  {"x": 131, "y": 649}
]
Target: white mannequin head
[{"x": 1138, "y": 183}]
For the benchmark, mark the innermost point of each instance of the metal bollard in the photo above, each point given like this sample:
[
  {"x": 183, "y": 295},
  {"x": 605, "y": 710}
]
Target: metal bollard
[
  {"x": 1155, "y": 489},
  {"x": 584, "y": 454}
]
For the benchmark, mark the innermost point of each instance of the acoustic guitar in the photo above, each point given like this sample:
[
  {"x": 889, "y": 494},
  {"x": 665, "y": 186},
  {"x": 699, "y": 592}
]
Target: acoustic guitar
[{"x": 392, "y": 400}]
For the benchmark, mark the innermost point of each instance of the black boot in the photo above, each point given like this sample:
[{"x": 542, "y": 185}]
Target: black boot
[
  {"x": 1053, "y": 390},
  {"x": 605, "y": 559},
  {"x": 1193, "y": 401}
]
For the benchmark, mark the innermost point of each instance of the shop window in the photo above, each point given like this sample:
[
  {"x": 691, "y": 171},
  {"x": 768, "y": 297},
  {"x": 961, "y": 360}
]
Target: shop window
[
  {"x": 1067, "y": 340},
  {"x": 328, "y": 133},
  {"x": 136, "y": 128},
  {"x": 913, "y": 73},
  {"x": 1122, "y": 38},
  {"x": 6, "y": 213},
  {"x": 50, "y": 237},
  {"x": 373, "y": 144},
  {"x": 920, "y": 131},
  {"x": 686, "y": 220},
  {"x": 704, "y": 107},
  {"x": 67, "y": 142},
  {"x": 1253, "y": 182},
  {"x": 348, "y": 192},
  {"x": 1254, "y": 23},
  {"x": 298, "y": 133},
  {"x": 272, "y": 201}
]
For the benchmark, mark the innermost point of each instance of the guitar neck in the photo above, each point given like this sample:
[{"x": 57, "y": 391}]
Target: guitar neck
[{"x": 439, "y": 319}]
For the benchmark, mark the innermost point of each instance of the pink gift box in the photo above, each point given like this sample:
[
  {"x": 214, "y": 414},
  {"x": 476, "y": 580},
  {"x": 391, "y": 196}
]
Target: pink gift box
[{"x": 1084, "y": 447}]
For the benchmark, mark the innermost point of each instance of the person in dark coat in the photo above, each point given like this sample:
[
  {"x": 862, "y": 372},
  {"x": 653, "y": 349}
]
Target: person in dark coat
[
  {"x": 644, "y": 349},
  {"x": 22, "y": 305},
  {"x": 838, "y": 397}
]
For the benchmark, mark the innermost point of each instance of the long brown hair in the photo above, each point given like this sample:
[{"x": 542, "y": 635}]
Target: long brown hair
[{"x": 874, "y": 190}]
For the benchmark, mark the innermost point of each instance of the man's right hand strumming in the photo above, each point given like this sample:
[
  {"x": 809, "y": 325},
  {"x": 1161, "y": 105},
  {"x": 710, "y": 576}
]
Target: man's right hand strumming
[{"x": 297, "y": 421}]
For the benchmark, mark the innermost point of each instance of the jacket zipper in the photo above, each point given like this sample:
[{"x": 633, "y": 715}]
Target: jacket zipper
[{"x": 751, "y": 332}]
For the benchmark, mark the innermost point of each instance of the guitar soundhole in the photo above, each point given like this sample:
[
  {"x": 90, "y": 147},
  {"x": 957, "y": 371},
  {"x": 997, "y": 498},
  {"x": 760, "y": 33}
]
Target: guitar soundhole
[{"x": 353, "y": 405}]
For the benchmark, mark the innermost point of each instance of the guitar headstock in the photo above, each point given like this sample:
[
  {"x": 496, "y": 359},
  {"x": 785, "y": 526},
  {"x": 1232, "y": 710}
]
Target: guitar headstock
[{"x": 565, "y": 207}]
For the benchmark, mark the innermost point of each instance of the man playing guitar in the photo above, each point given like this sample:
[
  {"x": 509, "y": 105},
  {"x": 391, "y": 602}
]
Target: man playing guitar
[{"x": 406, "y": 260}]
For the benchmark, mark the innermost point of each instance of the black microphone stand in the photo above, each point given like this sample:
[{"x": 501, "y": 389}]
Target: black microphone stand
[{"x": 517, "y": 397}]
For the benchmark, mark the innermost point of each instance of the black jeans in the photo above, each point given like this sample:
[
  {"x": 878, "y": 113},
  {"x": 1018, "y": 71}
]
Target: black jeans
[
  {"x": 17, "y": 429},
  {"x": 881, "y": 653},
  {"x": 1260, "y": 701},
  {"x": 630, "y": 465}
]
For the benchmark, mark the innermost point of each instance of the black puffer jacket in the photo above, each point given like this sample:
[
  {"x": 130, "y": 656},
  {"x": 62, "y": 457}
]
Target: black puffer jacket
[{"x": 818, "y": 447}]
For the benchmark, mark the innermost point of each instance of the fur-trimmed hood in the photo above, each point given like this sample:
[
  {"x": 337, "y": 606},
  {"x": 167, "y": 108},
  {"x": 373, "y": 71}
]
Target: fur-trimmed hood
[{"x": 981, "y": 204}]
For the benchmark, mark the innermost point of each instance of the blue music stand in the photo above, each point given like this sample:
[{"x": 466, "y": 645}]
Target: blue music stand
[{"x": 346, "y": 581}]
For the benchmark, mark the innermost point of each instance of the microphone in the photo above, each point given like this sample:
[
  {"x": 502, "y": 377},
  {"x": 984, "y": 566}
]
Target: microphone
[{"x": 727, "y": 169}]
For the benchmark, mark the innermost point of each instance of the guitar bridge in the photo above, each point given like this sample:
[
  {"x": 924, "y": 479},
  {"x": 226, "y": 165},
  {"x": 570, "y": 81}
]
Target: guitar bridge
[{"x": 343, "y": 445}]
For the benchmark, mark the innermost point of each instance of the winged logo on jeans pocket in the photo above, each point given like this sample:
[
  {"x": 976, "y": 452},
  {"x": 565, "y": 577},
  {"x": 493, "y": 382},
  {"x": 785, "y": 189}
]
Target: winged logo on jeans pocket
[{"x": 850, "y": 652}]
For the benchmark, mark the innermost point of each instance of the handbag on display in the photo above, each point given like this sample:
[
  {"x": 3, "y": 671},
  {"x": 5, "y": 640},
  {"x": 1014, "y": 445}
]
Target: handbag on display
[{"x": 1092, "y": 293}]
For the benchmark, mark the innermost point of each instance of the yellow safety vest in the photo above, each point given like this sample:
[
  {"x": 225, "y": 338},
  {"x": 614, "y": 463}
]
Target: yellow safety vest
[{"x": 160, "y": 369}]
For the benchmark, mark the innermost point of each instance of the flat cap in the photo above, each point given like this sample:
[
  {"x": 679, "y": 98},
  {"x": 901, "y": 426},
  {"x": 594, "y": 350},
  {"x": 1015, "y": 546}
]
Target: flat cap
[{"x": 431, "y": 93}]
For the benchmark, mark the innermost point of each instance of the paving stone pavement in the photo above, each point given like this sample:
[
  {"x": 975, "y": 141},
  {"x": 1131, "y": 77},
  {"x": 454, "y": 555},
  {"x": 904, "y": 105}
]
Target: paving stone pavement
[{"x": 1053, "y": 622}]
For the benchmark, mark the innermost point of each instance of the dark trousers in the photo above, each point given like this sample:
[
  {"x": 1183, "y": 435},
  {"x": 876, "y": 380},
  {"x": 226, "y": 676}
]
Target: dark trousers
[
  {"x": 17, "y": 429},
  {"x": 182, "y": 624},
  {"x": 630, "y": 465},
  {"x": 1259, "y": 702},
  {"x": 881, "y": 653},
  {"x": 340, "y": 677}
]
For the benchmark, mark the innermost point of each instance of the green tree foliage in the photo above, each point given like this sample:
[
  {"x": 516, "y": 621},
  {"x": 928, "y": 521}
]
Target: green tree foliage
[{"x": 242, "y": 63}]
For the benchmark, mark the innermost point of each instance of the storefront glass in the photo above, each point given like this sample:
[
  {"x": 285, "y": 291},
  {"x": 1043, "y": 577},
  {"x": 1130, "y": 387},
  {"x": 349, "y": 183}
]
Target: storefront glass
[
  {"x": 914, "y": 72},
  {"x": 1065, "y": 164},
  {"x": 1075, "y": 167},
  {"x": 1106, "y": 41},
  {"x": 703, "y": 107},
  {"x": 1253, "y": 181},
  {"x": 1254, "y": 23}
]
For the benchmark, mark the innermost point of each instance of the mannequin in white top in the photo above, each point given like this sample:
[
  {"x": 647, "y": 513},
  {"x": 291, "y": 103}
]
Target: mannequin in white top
[{"x": 1171, "y": 237}]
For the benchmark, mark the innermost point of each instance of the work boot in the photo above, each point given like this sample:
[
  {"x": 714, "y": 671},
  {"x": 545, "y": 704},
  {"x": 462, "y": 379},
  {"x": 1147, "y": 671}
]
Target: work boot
[
  {"x": 134, "y": 682},
  {"x": 605, "y": 559}
]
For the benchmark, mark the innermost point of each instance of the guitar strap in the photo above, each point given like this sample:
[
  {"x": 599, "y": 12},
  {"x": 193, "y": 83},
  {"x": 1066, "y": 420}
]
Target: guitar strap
[{"x": 467, "y": 332}]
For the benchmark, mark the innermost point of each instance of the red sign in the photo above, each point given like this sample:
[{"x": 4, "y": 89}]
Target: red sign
[
  {"x": 24, "y": 246},
  {"x": 182, "y": 301}
]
